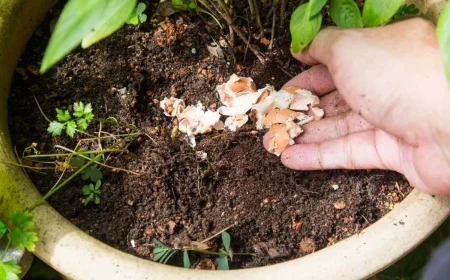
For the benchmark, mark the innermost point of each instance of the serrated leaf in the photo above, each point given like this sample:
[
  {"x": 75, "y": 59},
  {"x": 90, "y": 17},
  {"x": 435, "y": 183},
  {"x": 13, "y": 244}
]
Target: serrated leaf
[
  {"x": 55, "y": 128},
  {"x": 143, "y": 18},
  {"x": 3, "y": 229},
  {"x": 379, "y": 12},
  {"x": 140, "y": 8},
  {"x": 222, "y": 263},
  {"x": 82, "y": 124},
  {"x": 78, "y": 109},
  {"x": 303, "y": 29},
  {"x": 134, "y": 20},
  {"x": 315, "y": 6},
  {"x": 9, "y": 270},
  {"x": 70, "y": 129},
  {"x": 115, "y": 15},
  {"x": 77, "y": 19},
  {"x": 186, "y": 260},
  {"x": 22, "y": 235},
  {"x": 443, "y": 34},
  {"x": 226, "y": 239},
  {"x": 62, "y": 115},
  {"x": 345, "y": 13}
]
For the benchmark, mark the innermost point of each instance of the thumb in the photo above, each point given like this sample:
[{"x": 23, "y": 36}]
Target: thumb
[{"x": 319, "y": 51}]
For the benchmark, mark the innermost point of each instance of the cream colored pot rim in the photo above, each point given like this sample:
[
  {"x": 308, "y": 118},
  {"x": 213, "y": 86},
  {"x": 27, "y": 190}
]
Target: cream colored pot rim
[{"x": 79, "y": 256}]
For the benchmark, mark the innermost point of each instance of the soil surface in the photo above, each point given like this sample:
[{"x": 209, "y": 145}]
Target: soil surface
[{"x": 278, "y": 214}]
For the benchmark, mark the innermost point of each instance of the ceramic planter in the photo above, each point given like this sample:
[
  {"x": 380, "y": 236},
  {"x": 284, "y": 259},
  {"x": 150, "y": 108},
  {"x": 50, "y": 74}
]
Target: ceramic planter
[{"x": 79, "y": 256}]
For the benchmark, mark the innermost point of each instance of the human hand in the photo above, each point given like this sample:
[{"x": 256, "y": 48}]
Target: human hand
[{"x": 391, "y": 109}]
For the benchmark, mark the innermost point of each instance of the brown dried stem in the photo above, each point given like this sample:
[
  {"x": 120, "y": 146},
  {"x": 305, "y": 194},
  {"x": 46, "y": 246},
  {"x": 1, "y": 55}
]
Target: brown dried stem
[
  {"x": 258, "y": 19},
  {"x": 274, "y": 20},
  {"x": 283, "y": 14}
]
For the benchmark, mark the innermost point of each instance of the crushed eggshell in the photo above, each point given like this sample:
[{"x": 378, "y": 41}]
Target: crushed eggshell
[
  {"x": 235, "y": 122},
  {"x": 279, "y": 111},
  {"x": 172, "y": 106}
]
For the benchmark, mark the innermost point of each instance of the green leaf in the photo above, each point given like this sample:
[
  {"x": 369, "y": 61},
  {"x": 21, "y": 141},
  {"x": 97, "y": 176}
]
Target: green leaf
[
  {"x": 78, "y": 109},
  {"x": 86, "y": 190},
  {"x": 3, "y": 229},
  {"x": 303, "y": 30},
  {"x": 77, "y": 19},
  {"x": 406, "y": 10},
  {"x": 140, "y": 8},
  {"x": 70, "y": 129},
  {"x": 98, "y": 185},
  {"x": 226, "y": 239},
  {"x": 93, "y": 173},
  {"x": 315, "y": 6},
  {"x": 159, "y": 243},
  {"x": 134, "y": 20},
  {"x": 62, "y": 116},
  {"x": 55, "y": 128},
  {"x": 22, "y": 234},
  {"x": 167, "y": 258},
  {"x": 345, "y": 13},
  {"x": 115, "y": 15},
  {"x": 82, "y": 124},
  {"x": 222, "y": 263},
  {"x": 142, "y": 18},
  {"x": 160, "y": 256},
  {"x": 186, "y": 261},
  {"x": 96, "y": 199},
  {"x": 77, "y": 162},
  {"x": 88, "y": 199},
  {"x": 9, "y": 270},
  {"x": 230, "y": 254},
  {"x": 379, "y": 12},
  {"x": 443, "y": 34}
]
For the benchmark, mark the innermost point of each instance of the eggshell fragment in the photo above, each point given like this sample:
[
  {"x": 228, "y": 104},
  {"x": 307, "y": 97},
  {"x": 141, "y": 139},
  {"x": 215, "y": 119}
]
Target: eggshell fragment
[
  {"x": 235, "y": 122},
  {"x": 302, "y": 99},
  {"x": 279, "y": 116},
  {"x": 282, "y": 136},
  {"x": 235, "y": 87},
  {"x": 318, "y": 113},
  {"x": 172, "y": 107},
  {"x": 241, "y": 104}
]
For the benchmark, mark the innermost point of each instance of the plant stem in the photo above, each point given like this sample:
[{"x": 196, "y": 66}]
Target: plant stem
[
  {"x": 274, "y": 20},
  {"x": 258, "y": 19},
  {"x": 75, "y": 153},
  {"x": 48, "y": 194},
  {"x": 208, "y": 252},
  {"x": 40, "y": 109},
  {"x": 283, "y": 14},
  {"x": 211, "y": 237},
  {"x": 6, "y": 249},
  {"x": 96, "y": 161}
]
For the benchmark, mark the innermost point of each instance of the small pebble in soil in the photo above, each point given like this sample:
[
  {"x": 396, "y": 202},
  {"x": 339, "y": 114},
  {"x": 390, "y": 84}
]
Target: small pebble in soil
[{"x": 193, "y": 51}]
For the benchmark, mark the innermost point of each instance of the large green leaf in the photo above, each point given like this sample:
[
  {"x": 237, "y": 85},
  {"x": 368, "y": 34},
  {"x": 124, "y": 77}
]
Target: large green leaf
[
  {"x": 22, "y": 235},
  {"x": 77, "y": 19},
  {"x": 315, "y": 6},
  {"x": 379, "y": 12},
  {"x": 303, "y": 29},
  {"x": 345, "y": 13},
  {"x": 115, "y": 15},
  {"x": 9, "y": 270},
  {"x": 443, "y": 33}
]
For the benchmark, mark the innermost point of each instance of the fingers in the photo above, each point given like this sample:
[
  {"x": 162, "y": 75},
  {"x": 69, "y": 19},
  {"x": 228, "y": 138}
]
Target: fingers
[
  {"x": 317, "y": 79},
  {"x": 333, "y": 127},
  {"x": 354, "y": 151},
  {"x": 333, "y": 104},
  {"x": 319, "y": 51},
  {"x": 304, "y": 57}
]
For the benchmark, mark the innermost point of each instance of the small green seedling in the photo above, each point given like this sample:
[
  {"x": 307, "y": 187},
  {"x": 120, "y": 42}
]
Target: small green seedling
[
  {"x": 92, "y": 172},
  {"x": 406, "y": 10},
  {"x": 162, "y": 253},
  {"x": 92, "y": 193},
  {"x": 138, "y": 15},
  {"x": 82, "y": 116}
]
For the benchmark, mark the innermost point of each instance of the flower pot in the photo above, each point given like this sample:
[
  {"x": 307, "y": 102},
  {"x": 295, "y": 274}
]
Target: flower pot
[{"x": 76, "y": 255}]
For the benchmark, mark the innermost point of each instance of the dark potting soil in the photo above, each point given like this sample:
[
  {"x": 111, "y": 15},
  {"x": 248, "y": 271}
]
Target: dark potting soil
[{"x": 278, "y": 214}]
